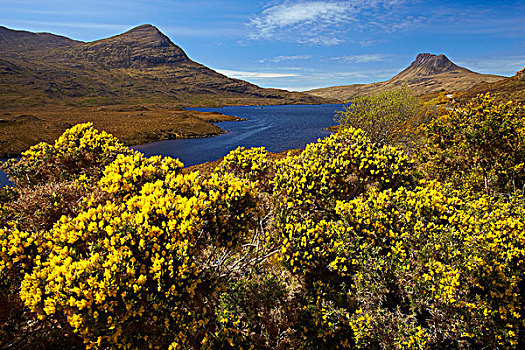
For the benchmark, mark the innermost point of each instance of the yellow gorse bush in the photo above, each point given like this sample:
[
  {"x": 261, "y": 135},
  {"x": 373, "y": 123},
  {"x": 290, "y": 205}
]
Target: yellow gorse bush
[
  {"x": 341, "y": 166},
  {"x": 143, "y": 259},
  {"x": 341, "y": 246},
  {"x": 425, "y": 257},
  {"x": 81, "y": 150},
  {"x": 126, "y": 175},
  {"x": 150, "y": 252},
  {"x": 252, "y": 163}
]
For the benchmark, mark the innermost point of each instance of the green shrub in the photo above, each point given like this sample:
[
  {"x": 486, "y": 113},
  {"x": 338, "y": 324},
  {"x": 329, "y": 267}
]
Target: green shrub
[{"x": 386, "y": 117}]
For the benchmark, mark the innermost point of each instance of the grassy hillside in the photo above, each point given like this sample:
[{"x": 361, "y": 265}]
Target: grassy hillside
[
  {"x": 136, "y": 67},
  {"x": 512, "y": 88},
  {"x": 133, "y": 124}
]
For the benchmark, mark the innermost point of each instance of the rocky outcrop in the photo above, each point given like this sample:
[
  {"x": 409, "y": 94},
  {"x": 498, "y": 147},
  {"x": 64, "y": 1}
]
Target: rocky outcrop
[{"x": 520, "y": 74}]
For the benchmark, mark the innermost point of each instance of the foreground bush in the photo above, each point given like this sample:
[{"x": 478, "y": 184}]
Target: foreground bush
[
  {"x": 81, "y": 150},
  {"x": 478, "y": 147},
  {"x": 426, "y": 270},
  {"x": 343, "y": 245},
  {"x": 141, "y": 271},
  {"x": 140, "y": 260},
  {"x": 252, "y": 164}
]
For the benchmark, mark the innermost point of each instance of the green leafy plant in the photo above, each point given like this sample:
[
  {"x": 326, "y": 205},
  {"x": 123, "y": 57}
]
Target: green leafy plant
[{"x": 387, "y": 117}]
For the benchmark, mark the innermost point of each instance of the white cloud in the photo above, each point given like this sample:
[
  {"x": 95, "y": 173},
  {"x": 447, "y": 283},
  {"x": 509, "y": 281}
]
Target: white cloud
[
  {"x": 368, "y": 42},
  {"x": 361, "y": 58},
  {"x": 245, "y": 75},
  {"x": 370, "y": 75},
  {"x": 321, "y": 40},
  {"x": 285, "y": 58},
  {"x": 322, "y": 22},
  {"x": 284, "y": 15}
]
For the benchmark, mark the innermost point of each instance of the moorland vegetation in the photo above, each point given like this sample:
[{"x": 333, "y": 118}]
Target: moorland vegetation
[{"x": 351, "y": 243}]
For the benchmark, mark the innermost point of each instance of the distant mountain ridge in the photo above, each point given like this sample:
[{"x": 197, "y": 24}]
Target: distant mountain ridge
[
  {"x": 141, "y": 65},
  {"x": 17, "y": 41},
  {"x": 426, "y": 74}
]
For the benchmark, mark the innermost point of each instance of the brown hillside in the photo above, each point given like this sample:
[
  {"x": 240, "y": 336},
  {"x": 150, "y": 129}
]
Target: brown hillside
[
  {"x": 512, "y": 88},
  {"x": 427, "y": 74},
  {"x": 15, "y": 42},
  {"x": 139, "y": 66}
]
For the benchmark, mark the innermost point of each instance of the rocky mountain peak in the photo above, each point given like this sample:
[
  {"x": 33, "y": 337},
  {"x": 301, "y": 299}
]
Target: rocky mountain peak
[
  {"x": 428, "y": 73},
  {"x": 145, "y": 35},
  {"x": 141, "y": 47},
  {"x": 430, "y": 64}
]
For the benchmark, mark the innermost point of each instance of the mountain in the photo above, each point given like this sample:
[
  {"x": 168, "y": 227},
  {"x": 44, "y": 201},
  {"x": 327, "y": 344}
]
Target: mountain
[
  {"x": 141, "y": 65},
  {"x": 427, "y": 74},
  {"x": 512, "y": 88},
  {"x": 17, "y": 41}
]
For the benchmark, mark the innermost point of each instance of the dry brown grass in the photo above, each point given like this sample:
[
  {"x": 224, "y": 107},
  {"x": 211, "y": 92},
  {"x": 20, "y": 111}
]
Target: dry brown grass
[{"x": 133, "y": 124}]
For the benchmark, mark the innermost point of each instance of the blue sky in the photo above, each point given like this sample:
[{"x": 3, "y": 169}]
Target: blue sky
[{"x": 299, "y": 45}]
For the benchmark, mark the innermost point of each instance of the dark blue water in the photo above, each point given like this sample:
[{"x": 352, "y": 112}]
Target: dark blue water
[
  {"x": 4, "y": 181},
  {"x": 277, "y": 128}
]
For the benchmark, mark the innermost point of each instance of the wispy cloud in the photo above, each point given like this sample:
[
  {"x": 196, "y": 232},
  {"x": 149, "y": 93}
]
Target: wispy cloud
[
  {"x": 285, "y": 58},
  {"x": 258, "y": 75},
  {"x": 361, "y": 58},
  {"x": 371, "y": 74},
  {"x": 323, "y": 22},
  {"x": 368, "y": 42},
  {"x": 287, "y": 14}
]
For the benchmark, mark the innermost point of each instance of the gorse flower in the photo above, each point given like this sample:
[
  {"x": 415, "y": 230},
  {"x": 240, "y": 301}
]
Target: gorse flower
[{"x": 343, "y": 245}]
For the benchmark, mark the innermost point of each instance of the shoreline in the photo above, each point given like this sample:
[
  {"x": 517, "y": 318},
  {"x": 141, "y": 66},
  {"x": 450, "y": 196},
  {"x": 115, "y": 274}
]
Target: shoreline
[{"x": 132, "y": 124}]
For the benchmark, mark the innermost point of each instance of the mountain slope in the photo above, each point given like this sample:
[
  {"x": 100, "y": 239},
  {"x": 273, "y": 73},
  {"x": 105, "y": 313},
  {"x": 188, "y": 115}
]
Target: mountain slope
[
  {"x": 141, "y": 47},
  {"x": 19, "y": 41},
  {"x": 141, "y": 65},
  {"x": 428, "y": 73},
  {"x": 512, "y": 88}
]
